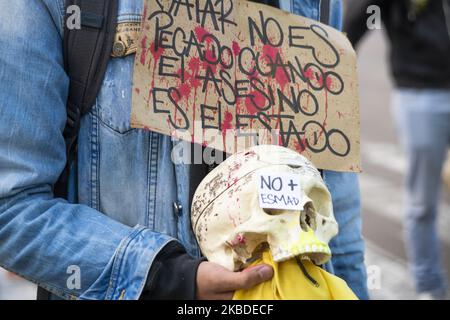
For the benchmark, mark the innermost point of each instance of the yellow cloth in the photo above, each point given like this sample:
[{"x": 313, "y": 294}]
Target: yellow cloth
[{"x": 290, "y": 283}]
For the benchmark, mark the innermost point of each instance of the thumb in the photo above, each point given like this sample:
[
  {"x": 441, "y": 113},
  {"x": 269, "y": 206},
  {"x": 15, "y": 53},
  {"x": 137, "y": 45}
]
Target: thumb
[{"x": 252, "y": 276}]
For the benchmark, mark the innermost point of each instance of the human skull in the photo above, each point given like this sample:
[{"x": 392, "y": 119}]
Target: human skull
[{"x": 232, "y": 229}]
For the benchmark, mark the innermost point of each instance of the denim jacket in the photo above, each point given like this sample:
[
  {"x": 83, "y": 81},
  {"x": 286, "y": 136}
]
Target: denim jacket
[{"x": 128, "y": 199}]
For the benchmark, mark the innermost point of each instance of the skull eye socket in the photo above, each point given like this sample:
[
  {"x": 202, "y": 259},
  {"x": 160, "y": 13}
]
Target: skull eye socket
[{"x": 321, "y": 199}]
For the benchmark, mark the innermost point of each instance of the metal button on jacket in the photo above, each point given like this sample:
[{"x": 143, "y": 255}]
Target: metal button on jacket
[
  {"x": 119, "y": 49},
  {"x": 177, "y": 208}
]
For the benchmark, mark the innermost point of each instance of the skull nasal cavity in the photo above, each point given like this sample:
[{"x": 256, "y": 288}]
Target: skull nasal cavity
[
  {"x": 274, "y": 212},
  {"x": 308, "y": 218}
]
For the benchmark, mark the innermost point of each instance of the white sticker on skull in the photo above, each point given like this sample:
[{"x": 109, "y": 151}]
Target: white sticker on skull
[{"x": 278, "y": 190}]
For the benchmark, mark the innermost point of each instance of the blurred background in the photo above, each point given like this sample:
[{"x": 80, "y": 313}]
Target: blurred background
[
  {"x": 381, "y": 186},
  {"x": 382, "y": 190},
  {"x": 13, "y": 287},
  {"x": 382, "y": 178}
]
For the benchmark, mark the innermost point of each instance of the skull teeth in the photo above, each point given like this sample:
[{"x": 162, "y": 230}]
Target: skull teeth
[{"x": 302, "y": 250}]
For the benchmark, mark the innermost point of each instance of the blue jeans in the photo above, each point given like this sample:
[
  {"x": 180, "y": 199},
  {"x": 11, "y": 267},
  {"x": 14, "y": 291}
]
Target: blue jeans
[
  {"x": 348, "y": 246},
  {"x": 423, "y": 122}
]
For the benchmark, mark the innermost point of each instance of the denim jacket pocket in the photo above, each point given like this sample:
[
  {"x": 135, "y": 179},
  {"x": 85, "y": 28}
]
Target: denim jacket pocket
[{"x": 113, "y": 105}]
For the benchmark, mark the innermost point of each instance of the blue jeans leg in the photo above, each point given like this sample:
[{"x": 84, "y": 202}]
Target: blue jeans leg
[
  {"x": 423, "y": 122},
  {"x": 348, "y": 246}
]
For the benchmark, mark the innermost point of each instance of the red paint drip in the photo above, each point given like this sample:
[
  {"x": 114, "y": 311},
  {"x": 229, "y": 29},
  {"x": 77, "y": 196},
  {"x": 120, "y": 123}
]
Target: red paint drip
[
  {"x": 280, "y": 75},
  {"x": 309, "y": 74},
  {"x": 156, "y": 53},
  {"x": 329, "y": 83},
  {"x": 236, "y": 48},
  {"x": 227, "y": 122},
  {"x": 144, "y": 50},
  {"x": 144, "y": 14},
  {"x": 281, "y": 78},
  {"x": 300, "y": 146},
  {"x": 194, "y": 64},
  {"x": 190, "y": 79}
]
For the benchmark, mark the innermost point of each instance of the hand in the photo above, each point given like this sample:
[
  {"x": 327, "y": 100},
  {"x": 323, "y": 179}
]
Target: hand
[{"x": 214, "y": 282}]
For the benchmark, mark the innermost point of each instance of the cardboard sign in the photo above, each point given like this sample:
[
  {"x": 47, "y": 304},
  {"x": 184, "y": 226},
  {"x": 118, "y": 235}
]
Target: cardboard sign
[
  {"x": 229, "y": 74},
  {"x": 279, "y": 191}
]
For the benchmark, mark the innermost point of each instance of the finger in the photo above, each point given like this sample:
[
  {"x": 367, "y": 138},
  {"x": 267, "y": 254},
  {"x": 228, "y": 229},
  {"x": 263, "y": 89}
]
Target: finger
[
  {"x": 256, "y": 275},
  {"x": 248, "y": 278}
]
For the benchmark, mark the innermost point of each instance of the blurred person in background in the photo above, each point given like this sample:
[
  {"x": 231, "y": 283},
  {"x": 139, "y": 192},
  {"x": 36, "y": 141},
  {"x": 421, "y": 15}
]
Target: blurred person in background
[{"x": 419, "y": 34}]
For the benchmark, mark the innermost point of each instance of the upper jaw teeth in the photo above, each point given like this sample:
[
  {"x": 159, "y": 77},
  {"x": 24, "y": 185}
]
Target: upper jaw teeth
[{"x": 302, "y": 250}]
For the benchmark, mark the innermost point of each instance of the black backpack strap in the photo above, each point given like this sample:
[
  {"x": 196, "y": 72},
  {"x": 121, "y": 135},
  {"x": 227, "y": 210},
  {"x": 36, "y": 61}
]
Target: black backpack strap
[
  {"x": 325, "y": 11},
  {"x": 88, "y": 49},
  {"x": 86, "y": 55}
]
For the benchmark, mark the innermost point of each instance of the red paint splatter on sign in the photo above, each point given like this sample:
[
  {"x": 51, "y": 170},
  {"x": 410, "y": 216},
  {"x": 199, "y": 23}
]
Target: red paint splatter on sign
[
  {"x": 272, "y": 55},
  {"x": 236, "y": 48},
  {"x": 300, "y": 146},
  {"x": 270, "y": 52},
  {"x": 201, "y": 32},
  {"x": 254, "y": 102},
  {"x": 144, "y": 50},
  {"x": 156, "y": 53},
  {"x": 329, "y": 83},
  {"x": 281, "y": 78},
  {"x": 227, "y": 122}
]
